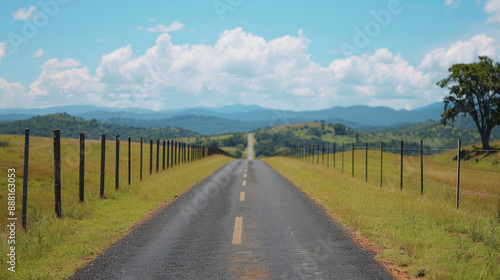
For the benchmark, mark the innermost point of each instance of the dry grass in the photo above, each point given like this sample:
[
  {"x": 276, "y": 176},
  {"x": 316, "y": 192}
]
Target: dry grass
[
  {"x": 425, "y": 235},
  {"x": 53, "y": 248}
]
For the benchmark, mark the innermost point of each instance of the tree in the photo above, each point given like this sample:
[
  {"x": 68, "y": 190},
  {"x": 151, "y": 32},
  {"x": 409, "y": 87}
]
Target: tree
[
  {"x": 339, "y": 128},
  {"x": 474, "y": 91}
]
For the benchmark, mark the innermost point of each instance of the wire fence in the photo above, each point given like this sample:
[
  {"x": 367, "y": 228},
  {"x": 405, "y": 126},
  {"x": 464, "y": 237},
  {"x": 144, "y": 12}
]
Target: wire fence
[
  {"x": 458, "y": 171},
  {"x": 83, "y": 168}
]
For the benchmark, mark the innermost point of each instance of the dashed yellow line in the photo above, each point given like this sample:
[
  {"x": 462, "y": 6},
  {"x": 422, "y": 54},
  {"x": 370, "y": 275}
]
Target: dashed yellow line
[
  {"x": 242, "y": 196},
  {"x": 244, "y": 183},
  {"x": 244, "y": 175},
  {"x": 238, "y": 226}
]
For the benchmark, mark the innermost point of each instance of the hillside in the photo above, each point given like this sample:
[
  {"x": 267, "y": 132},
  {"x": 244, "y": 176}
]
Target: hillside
[
  {"x": 434, "y": 135},
  {"x": 71, "y": 127}
]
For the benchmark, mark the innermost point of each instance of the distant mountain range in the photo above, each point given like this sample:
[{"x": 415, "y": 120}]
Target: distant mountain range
[{"x": 236, "y": 117}]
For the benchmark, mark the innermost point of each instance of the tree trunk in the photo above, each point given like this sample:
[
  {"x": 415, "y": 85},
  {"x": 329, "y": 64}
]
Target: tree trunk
[{"x": 485, "y": 139}]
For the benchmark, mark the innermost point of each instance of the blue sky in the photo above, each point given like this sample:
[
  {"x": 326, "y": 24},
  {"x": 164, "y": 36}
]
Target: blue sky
[{"x": 297, "y": 55}]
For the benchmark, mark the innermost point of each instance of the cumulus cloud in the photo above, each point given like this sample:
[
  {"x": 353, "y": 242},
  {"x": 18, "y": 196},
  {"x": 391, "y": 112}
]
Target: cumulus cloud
[
  {"x": 11, "y": 94},
  {"x": 38, "y": 53},
  {"x": 160, "y": 28},
  {"x": 55, "y": 63},
  {"x": 440, "y": 59},
  {"x": 3, "y": 47},
  {"x": 493, "y": 7},
  {"x": 246, "y": 68},
  {"x": 23, "y": 14}
]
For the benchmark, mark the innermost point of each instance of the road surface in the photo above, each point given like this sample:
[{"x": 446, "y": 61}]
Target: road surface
[
  {"x": 243, "y": 222},
  {"x": 250, "y": 146}
]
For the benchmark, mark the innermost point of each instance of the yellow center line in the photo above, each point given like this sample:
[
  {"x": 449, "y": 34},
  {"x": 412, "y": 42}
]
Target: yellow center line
[
  {"x": 244, "y": 183},
  {"x": 244, "y": 175},
  {"x": 242, "y": 196},
  {"x": 238, "y": 224}
]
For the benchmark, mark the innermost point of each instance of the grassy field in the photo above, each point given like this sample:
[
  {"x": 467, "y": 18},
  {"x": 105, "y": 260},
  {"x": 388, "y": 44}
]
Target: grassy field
[
  {"x": 53, "y": 248},
  {"x": 425, "y": 235}
]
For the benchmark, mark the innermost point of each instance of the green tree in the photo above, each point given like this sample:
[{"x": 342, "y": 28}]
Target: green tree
[
  {"x": 340, "y": 129},
  {"x": 474, "y": 91}
]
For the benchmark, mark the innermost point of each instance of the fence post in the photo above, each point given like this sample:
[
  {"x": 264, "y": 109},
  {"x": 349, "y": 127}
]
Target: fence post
[
  {"x": 175, "y": 153},
  {"x": 401, "y": 165},
  {"x": 129, "y": 161},
  {"x": 141, "y": 157},
  {"x": 334, "y": 151},
  {"x": 168, "y": 154},
  {"x": 381, "y": 160},
  {"x": 82, "y": 168},
  {"x": 352, "y": 159},
  {"x": 150, "y": 156},
  {"x": 103, "y": 163},
  {"x": 328, "y": 155},
  {"x": 25, "y": 175},
  {"x": 458, "y": 171},
  {"x": 117, "y": 165},
  {"x": 317, "y": 156},
  {"x": 323, "y": 154},
  {"x": 57, "y": 171},
  {"x": 157, "y": 155},
  {"x": 164, "y": 143},
  {"x": 421, "y": 167},
  {"x": 366, "y": 163}
]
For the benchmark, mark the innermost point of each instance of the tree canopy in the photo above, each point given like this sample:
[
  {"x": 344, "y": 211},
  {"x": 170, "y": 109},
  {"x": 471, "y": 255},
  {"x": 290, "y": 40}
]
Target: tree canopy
[{"x": 475, "y": 92}]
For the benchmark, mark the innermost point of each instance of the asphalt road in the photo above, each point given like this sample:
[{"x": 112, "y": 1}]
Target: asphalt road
[
  {"x": 250, "y": 146},
  {"x": 214, "y": 231}
]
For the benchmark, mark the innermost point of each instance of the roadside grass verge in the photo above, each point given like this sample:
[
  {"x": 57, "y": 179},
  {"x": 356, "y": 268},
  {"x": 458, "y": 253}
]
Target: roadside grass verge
[
  {"x": 53, "y": 248},
  {"x": 424, "y": 235}
]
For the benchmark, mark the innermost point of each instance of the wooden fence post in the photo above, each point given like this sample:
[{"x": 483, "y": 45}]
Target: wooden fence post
[
  {"x": 129, "y": 161},
  {"x": 366, "y": 163},
  {"x": 57, "y": 171},
  {"x": 25, "y": 175},
  {"x": 164, "y": 143},
  {"x": 103, "y": 163},
  {"x": 401, "y": 164},
  {"x": 352, "y": 159},
  {"x": 381, "y": 160},
  {"x": 157, "y": 155},
  {"x": 117, "y": 165},
  {"x": 81, "y": 189},
  {"x": 141, "y": 157},
  {"x": 150, "y": 156},
  {"x": 421, "y": 167},
  {"x": 458, "y": 171}
]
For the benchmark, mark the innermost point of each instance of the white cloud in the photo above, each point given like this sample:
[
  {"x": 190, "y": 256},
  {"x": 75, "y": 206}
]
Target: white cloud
[
  {"x": 246, "y": 68},
  {"x": 12, "y": 95},
  {"x": 3, "y": 47},
  {"x": 153, "y": 20},
  {"x": 493, "y": 7},
  {"x": 174, "y": 26},
  {"x": 38, "y": 53},
  {"x": 54, "y": 63},
  {"x": 139, "y": 28},
  {"x": 439, "y": 60},
  {"x": 23, "y": 14}
]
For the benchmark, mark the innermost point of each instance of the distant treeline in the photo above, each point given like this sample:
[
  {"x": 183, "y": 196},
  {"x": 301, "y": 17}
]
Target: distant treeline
[{"x": 71, "y": 127}]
